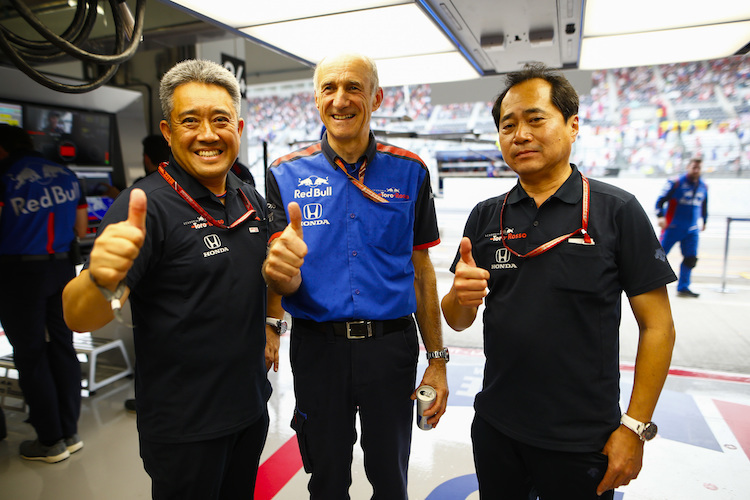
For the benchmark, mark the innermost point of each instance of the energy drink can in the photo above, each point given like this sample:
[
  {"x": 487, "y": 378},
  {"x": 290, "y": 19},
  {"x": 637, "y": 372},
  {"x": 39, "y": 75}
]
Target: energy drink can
[{"x": 425, "y": 397}]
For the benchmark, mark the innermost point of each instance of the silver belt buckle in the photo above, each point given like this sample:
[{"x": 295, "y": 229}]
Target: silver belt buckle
[{"x": 358, "y": 330}]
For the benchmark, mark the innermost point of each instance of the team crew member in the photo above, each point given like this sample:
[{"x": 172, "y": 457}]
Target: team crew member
[
  {"x": 368, "y": 218},
  {"x": 188, "y": 246},
  {"x": 556, "y": 252},
  {"x": 686, "y": 199},
  {"x": 42, "y": 211}
]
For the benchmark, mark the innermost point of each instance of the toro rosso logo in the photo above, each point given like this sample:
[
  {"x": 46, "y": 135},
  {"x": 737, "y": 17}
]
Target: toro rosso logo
[{"x": 313, "y": 187}]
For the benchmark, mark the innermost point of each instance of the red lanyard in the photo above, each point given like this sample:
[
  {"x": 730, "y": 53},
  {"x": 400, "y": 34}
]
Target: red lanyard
[
  {"x": 359, "y": 182},
  {"x": 552, "y": 243},
  {"x": 185, "y": 196}
]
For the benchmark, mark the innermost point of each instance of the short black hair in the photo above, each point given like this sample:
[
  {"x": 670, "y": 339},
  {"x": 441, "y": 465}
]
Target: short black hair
[
  {"x": 14, "y": 139},
  {"x": 156, "y": 148},
  {"x": 564, "y": 97}
]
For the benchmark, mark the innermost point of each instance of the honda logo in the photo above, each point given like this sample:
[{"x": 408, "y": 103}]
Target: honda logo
[
  {"x": 212, "y": 241},
  {"x": 502, "y": 256},
  {"x": 313, "y": 211}
]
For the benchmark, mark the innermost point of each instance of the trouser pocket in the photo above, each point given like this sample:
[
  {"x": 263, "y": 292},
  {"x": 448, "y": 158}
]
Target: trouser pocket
[{"x": 298, "y": 424}]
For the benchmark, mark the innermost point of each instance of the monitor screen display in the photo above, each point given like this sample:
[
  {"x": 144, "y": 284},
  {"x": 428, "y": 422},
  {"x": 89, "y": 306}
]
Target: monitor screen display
[
  {"x": 12, "y": 114},
  {"x": 70, "y": 136}
]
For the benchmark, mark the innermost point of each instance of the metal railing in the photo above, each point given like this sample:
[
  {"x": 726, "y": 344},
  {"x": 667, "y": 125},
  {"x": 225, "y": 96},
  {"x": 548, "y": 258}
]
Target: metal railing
[{"x": 723, "y": 288}]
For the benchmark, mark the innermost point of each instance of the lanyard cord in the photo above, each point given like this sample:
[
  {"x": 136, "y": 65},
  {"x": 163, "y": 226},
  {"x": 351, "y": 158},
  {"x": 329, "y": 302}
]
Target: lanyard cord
[
  {"x": 369, "y": 193},
  {"x": 185, "y": 196},
  {"x": 552, "y": 243}
]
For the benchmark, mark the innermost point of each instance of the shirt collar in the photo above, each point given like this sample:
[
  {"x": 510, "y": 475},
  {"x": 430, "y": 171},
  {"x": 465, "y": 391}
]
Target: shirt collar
[
  {"x": 331, "y": 155},
  {"x": 570, "y": 192}
]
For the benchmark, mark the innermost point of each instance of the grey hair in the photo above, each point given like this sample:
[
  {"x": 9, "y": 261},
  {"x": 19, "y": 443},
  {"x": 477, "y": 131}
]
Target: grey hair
[
  {"x": 198, "y": 71},
  {"x": 369, "y": 62}
]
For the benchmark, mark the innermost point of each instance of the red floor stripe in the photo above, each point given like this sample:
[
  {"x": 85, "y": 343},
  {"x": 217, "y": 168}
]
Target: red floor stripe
[
  {"x": 684, "y": 372},
  {"x": 277, "y": 470},
  {"x": 737, "y": 416}
]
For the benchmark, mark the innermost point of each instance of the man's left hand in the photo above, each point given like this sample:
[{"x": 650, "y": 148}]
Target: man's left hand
[
  {"x": 273, "y": 340},
  {"x": 435, "y": 376},
  {"x": 624, "y": 451}
]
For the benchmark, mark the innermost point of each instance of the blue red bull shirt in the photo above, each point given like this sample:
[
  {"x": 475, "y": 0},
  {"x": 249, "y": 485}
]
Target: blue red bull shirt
[
  {"x": 687, "y": 202},
  {"x": 39, "y": 202},
  {"x": 358, "y": 264}
]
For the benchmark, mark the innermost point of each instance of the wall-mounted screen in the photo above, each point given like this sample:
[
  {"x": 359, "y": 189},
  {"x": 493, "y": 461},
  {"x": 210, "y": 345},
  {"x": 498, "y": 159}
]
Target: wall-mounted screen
[
  {"x": 70, "y": 136},
  {"x": 12, "y": 114}
]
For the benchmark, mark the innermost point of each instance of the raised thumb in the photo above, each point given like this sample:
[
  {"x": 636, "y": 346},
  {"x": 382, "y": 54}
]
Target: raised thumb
[
  {"x": 466, "y": 256},
  {"x": 295, "y": 217},
  {"x": 137, "y": 209}
]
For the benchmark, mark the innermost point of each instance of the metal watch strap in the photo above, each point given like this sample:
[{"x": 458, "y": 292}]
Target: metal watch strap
[{"x": 443, "y": 353}]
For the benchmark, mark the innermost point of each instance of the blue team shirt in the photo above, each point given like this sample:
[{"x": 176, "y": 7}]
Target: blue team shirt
[
  {"x": 39, "y": 203},
  {"x": 358, "y": 264},
  {"x": 687, "y": 202}
]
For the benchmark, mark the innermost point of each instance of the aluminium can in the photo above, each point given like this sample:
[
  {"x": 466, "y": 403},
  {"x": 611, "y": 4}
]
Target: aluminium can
[{"x": 425, "y": 397}]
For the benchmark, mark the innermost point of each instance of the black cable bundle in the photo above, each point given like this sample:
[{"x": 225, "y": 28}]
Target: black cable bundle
[{"x": 23, "y": 52}]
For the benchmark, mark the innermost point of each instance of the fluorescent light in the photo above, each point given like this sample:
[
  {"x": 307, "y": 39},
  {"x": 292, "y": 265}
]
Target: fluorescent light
[
  {"x": 241, "y": 13},
  {"x": 431, "y": 68},
  {"x": 605, "y": 17},
  {"x": 663, "y": 47},
  {"x": 395, "y": 31}
]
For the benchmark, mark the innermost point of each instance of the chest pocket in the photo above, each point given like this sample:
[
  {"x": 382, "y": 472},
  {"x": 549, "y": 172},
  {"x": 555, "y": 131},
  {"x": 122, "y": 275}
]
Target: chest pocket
[
  {"x": 579, "y": 268},
  {"x": 389, "y": 228}
]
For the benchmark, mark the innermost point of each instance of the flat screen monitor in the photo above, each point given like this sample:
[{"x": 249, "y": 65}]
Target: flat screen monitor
[
  {"x": 69, "y": 136},
  {"x": 94, "y": 183},
  {"x": 12, "y": 114}
]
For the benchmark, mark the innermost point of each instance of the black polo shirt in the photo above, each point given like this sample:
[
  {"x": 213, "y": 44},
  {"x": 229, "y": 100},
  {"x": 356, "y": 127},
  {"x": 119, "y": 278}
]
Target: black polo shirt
[
  {"x": 551, "y": 323},
  {"x": 199, "y": 305}
]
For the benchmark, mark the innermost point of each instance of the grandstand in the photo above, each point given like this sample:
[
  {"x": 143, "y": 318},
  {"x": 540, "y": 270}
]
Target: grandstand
[{"x": 639, "y": 121}]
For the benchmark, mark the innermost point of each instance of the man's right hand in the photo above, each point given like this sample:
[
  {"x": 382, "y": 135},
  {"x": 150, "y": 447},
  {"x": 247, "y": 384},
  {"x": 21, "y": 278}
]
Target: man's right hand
[
  {"x": 286, "y": 255},
  {"x": 119, "y": 244},
  {"x": 470, "y": 281}
]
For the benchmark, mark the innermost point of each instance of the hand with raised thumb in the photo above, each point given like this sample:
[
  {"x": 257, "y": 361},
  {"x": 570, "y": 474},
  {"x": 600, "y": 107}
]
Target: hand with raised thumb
[
  {"x": 286, "y": 255},
  {"x": 470, "y": 281},
  {"x": 119, "y": 244}
]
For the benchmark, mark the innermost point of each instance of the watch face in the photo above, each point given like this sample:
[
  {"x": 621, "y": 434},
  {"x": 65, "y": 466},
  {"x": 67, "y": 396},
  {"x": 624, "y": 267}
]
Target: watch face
[
  {"x": 649, "y": 431},
  {"x": 282, "y": 327}
]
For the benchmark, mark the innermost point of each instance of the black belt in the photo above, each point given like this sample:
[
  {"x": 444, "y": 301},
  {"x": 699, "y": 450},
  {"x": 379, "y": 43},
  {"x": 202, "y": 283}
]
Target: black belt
[
  {"x": 355, "y": 329},
  {"x": 34, "y": 258}
]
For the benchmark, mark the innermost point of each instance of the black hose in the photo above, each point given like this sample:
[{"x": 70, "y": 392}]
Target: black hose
[{"x": 22, "y": 51}]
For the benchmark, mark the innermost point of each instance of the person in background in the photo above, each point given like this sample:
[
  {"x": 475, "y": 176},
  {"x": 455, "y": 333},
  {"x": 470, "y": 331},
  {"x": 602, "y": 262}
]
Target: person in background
[
  {"x": 155, "y": 152},
  {"x": 368, "y": 217},
  {"x": 550, "y": 260},
  {"x": 185, "y": 247},
  {"x": 686, "y": 200},
  {"x": 42, "y": 212}
]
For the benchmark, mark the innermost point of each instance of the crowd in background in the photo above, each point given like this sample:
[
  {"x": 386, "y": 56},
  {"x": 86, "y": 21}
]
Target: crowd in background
[{"x": 634, "y": 121}]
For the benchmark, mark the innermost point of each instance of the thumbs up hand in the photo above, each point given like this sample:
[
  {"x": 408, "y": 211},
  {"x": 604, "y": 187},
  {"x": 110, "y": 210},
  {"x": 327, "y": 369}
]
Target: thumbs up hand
[
  {"x": 119, "y": 244},
  {"x": 470, "y": 281},
  {"x": 286, "y": 255}
]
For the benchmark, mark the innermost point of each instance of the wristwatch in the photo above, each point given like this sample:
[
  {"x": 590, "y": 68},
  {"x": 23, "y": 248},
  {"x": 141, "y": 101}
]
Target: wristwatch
[
  {"x": 278, "y": 324},
  {"x": 439, "y": 354},
  {"x": 646, "y": 431}
]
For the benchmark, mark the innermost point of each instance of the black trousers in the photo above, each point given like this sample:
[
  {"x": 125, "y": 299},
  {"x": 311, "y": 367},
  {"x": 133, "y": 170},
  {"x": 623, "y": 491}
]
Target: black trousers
[
  {"x": 510, "y": 470},
  {"x": 336, "y": 378},
  {"x": 223, "y": 468},
  {"x": 49, "y": 371}
]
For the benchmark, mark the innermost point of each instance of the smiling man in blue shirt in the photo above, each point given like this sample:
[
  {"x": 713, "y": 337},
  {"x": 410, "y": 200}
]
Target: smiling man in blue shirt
[{"x": 351, "y": 221}]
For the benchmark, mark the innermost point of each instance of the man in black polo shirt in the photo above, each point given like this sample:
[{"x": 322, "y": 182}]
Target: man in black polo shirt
[
  {"x": 189, "y": 261},
  {"x": 552, "y": 258}
]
